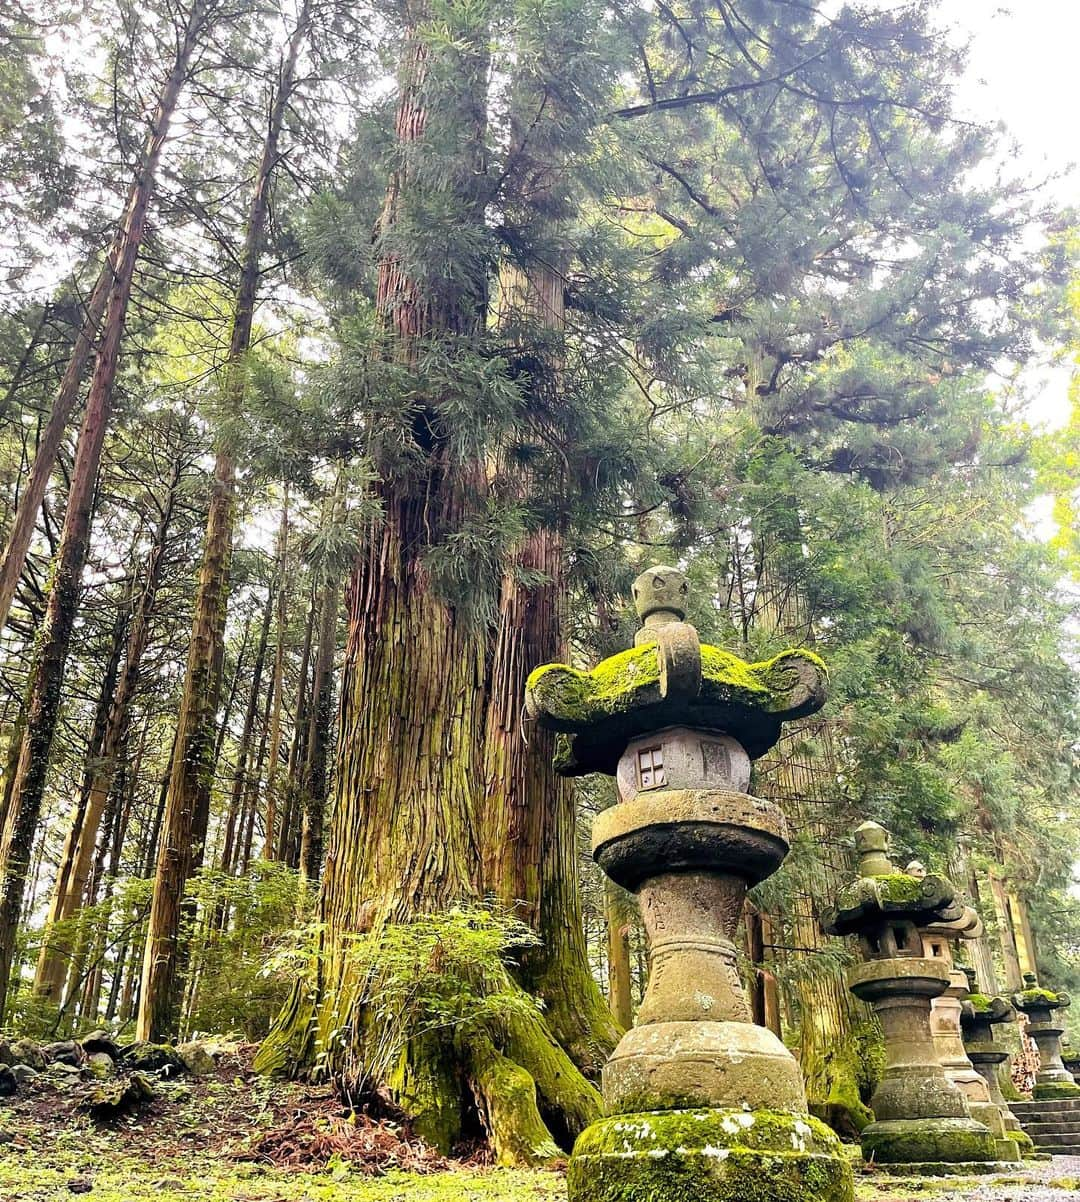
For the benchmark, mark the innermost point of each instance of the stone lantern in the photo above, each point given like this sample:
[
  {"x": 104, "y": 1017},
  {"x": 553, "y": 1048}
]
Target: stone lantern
[
  {"x": 940, "y": 940},
  {"x": 920, "y": 1116},
  {"x": 978, "y": 1018},
  {"x": 1053, "y": 1080},
  {"x": 699, "y": 1101}
]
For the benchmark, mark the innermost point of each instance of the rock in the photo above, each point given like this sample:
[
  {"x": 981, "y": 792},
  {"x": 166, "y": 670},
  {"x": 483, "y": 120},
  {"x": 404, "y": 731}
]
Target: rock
[
  {"x": 25, "y": 1051},
  {"x": 102, "y": 1066},
  {"x": 152, "y": 1058},
  {"x": 23, "y": 1073},
  {"x": 65, "y": 1071},
  {"x": 8, "y": 1084},
  {"x": 113, "y": 1098},
  {"x": 65, "y": 1052},
  {"x": 197, "y": 1059},
  {"x": 6, "y": 1054},
  {"x": 101, "y": 1041}
]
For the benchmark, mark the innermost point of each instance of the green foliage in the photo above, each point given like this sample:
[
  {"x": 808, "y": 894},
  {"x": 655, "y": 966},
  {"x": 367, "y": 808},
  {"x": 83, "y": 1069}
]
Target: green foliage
[
  {"x": 99, "y": 934},
  {"x": 242, "y": 935},
  {"x": 441, "y": 975}
]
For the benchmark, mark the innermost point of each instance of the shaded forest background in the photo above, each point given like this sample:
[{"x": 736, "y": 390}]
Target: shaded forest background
[{"x": 353, "y": 360}]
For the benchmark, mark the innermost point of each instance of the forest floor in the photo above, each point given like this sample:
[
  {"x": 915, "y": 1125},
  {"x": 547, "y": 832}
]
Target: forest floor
[{"x": 234, "y": 1137}]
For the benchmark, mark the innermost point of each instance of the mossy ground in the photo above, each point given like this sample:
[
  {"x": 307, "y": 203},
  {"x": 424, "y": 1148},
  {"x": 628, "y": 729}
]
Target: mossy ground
[{"x": 196, "y": 1144}]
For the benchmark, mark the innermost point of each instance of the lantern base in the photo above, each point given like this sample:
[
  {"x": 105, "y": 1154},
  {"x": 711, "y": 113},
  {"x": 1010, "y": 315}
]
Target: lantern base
[
  {"x": 709, "y": 1156},
  {"x": 945, "y": 1140}
]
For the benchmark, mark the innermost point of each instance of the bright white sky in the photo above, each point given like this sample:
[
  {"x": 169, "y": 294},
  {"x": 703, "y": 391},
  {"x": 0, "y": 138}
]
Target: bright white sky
[{"x": 1023, "y": 72}]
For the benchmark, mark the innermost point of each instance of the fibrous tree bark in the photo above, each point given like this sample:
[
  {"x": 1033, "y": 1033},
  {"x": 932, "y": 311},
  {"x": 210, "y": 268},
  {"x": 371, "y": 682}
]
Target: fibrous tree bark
[
  {"x": 47, "y": 674},
  {"x": 406, "y": 831},
  {"x": 187, "y": 807}
]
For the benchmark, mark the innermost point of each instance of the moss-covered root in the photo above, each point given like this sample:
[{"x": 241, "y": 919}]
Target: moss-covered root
[
  {"x": 564, "y": 1091},
  {"x": 288, "y": 1045},
  {"x": 506, "y": 1096},
  {"x": 427, "y": 1086}
]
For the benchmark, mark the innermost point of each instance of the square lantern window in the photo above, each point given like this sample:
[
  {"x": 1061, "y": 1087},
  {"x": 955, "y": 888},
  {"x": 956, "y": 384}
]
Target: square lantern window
[{"x": 651, "y": 767}]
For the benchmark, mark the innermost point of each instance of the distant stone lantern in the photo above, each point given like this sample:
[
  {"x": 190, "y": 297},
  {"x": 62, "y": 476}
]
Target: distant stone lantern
[
  {"x": 920, "y": 1116},
  {"x": 701, "y": 1103},
  {"x": 947, "y": 1016},
  {"x": 1053, "y": 1080},
  {"x": 979, "y": 1016}
]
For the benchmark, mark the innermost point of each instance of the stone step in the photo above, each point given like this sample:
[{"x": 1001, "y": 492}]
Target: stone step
[
  {"x": 1051, "y": 1128},
  {"x": 1067, "y": 1139},
  {"x": 1022, "y": 1108}
]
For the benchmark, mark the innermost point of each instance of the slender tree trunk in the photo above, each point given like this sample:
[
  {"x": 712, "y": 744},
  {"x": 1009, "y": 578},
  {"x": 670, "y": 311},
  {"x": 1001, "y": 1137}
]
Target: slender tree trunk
[
  {"x": 239, "y": 782},
  {"x": 318, "y": 738},
  {"x": 47, "y": 674},
  {"x": 274, "y": 845},
  {"x": 33, "y": 494},
  {"x": 289, "y": 843},
  {"x": 188, "y": 804},
  {"x": 55, "y": 950},
  {"x": 104, "y": 761},
  {"x": 251, "y": 805}
]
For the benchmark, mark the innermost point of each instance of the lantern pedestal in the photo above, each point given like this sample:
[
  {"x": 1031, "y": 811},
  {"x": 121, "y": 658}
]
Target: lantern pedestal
[{"x": 702, "y": 1105}]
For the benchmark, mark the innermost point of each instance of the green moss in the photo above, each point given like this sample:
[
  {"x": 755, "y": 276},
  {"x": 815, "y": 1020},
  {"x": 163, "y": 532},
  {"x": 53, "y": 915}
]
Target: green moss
[
  {"x": 1058, "y": 1089},
  {"x": 841, "y": 1076},
  {"x": 1022, "y": 1140},
  {"x": 198, "y": 1179},
  {"x": 895, "y": 887},
  {"x": 906, "y": 1141},
  {"x": 621, "y": 682},
  {"x": 980, "y": 1003},
  {"x": 710, "y": 1156},
  {"x": 1037, "y": 998}
]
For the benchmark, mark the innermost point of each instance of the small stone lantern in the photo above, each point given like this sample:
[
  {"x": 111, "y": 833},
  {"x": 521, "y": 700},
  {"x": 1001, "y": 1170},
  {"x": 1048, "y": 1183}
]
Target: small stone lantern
[
  {"x": 1053, "y": 1080},
  {"x": 700, "y": 1102},
  {"x": 920, "y": 1116},
  {"x": 940, "y": 940},
  {"x": 979, "y": 1016}
]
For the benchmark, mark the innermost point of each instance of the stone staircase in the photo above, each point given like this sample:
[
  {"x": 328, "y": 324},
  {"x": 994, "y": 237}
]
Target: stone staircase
[{"x": 1054, "y": 1126}]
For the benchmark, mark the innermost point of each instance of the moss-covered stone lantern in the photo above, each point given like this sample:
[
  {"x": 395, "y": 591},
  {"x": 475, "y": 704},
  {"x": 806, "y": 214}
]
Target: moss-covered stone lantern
[
  {"x": 1053, "y": 1080},
  {"x": 979, "y": 1015},
  {"x": 940, "y": 939},
  {"x": 920, "y": 1116},
  {"x": 699, "y": 1101}
]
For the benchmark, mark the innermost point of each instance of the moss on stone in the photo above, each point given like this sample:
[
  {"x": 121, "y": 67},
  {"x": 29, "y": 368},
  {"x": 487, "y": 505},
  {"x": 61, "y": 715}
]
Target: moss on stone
[
  {"x": 980, "y": 1003},
  {"x": 617, "y": 684},
  {"x": 710, "y": 1156},
  {"x": 906, "y": 1141},
  {"x": 1049, "y": 1091},
  {"x": 1022, "y": 1140},
  {"x": 895, "y": 887},
  {"x": 1038, "y": 997}
]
